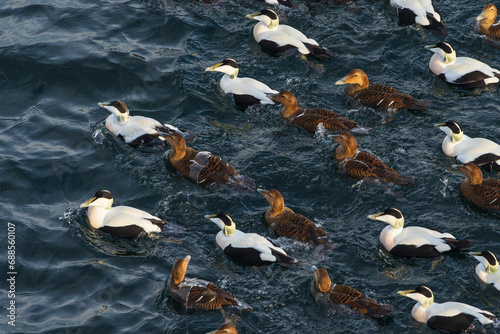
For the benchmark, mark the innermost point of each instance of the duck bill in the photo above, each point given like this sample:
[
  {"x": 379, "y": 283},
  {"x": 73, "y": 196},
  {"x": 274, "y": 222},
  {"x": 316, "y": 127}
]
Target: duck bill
[
  {"x": 430, "y": 47},
  {"x": 214, "y": 219},
  {"x": 375, "y": 216},
  {"x": 337, "y": 139},
  {"x": 438, "y": 125},
  {"x": 103, "y": 104},
  {"x": 406, "y": 292},
  {"x": 87, "y": 204},
  {"x": 480, "y": 16},
  {"x": 252, "y": 16},
  {"x": 212, "y": 68},
  {"x": 341, "y": 81}
]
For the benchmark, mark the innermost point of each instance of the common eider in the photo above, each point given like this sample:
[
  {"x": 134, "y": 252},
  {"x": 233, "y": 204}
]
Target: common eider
[
  {"x": 277, "y": 38},
  {"x": 137, "y": 130},
  {"x": 286, "y": 3},
  {"x": 449, "y": 316},
  {"x": 249, "y": 249},
  {"x": 462, "y": 71},
  {"x": 363, "y": 165},
  {"x": 198, "y": 294},
  {"x": 484, "y": 193},
  {"x": 310, "y": 118},
  {"x": 487, "y": 24},
  {"x": 487, "y": 269},
  {"x": 290, "y": 224},
  {"x": 420, "y": 12},
  {"x": 330, "y": 295},
  {"x": 204, "y": 168},
  {"x": 481, "y": 151},
  {"x": 414, "y": 241},
  {"x": 377, "y": 95},
  {"x": 245, "y": 91},
  {"x": 119, "y": 221}
]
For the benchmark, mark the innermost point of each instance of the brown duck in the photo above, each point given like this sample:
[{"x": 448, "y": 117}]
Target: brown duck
[
  {"x": 329, "y": 294},
  {"x": 311, "y": 117},
  {"x": 377, "y": 95},
  {"x": 487, "y": 20},
  {"x": 204, "y": 168},
  {"x": 362, "y": 165},
  {"x": 197, "y": 294},
  {"x": 288, "y": 223},
  {"x": 484, "y": 193}
]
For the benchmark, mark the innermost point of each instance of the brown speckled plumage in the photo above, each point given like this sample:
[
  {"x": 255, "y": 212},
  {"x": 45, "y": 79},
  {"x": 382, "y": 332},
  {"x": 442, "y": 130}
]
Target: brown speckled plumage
[
  {"x": 361, "y": 165},
  {"x": 377, "y": 95},
  {"x": 290, "y": 224},
  {"x": 487, "y": 24},
  {"x": 311, "y": 117},
  {"x": 324, "y": 292},
  {"x": 198, "y": 294},
  {"x": 484, "y": 193}
]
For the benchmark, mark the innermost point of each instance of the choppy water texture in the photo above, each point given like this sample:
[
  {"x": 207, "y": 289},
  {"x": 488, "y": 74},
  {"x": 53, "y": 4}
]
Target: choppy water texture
[{"x": 59, "y": 58}]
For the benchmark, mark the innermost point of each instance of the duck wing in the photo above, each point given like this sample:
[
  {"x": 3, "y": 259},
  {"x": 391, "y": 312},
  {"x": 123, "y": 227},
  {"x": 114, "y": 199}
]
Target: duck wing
[
  {"x": 207, "y": 168},
  {"x": 343, "y": 294},
  {"x": 384, "y": 97},
  {"x": 365, "y": 165},
  {"x": 210, "y": 297},
  {"x": 294, "y": 225}
]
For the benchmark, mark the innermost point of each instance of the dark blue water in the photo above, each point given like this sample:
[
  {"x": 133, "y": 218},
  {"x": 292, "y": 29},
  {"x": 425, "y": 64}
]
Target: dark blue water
[{"x": 59, "y": 58}]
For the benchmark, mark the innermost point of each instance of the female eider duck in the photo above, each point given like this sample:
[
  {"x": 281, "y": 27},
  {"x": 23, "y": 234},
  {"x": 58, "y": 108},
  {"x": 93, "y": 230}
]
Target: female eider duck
[
  {"x": 481, "y": 151},
  {"x": 487, "y": 24},
  {"x": 277, "y": 38},
  {"x": 136, "y": 130},
  {"x": 363, "y": 165},
  {"x": 420, "y": 12},
  {"x": 119, "y": 221},
  {"x": 487, "y": 269},
  {"x": 485, "y": 193},
  {"x": 289, "y": 224},
  {"x": 449, "y": 316},
  {"x": 249, "y": 249},
  {"x": 330, "y": 295},
  {"x": 462, "y": 71},
  {"x": 377, "y": 95},
  {"x": 204, "y": 168},
  {"x": 414, "y": 241},
  {"x": 245, "y": 91},
  {"x": 310, "y": 118},
  {"x": 198, "y": 294}
]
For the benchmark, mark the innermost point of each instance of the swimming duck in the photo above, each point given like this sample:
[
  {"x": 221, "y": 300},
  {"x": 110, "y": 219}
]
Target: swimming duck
[
  {"x": 198, "y": 294},
  {"x": 484, "y": 193},
  {"x": 420, "y": 12},
  {"x": 481, "y": 151},
  {"x": 487, "y": 24},
  {"x": 276, "y": 37},
  {"x": 463, "y": 71},
  {"x": 362, "y": 165},
  {"x": 245, "y": 91},
  {"x": 136, "y": 130},
  {"x": 229, "y": 326},
  {"x": 310, "y": 118},
  {"x": 288, "y": 223},
  {"x": 487, "y": 269},
  {"x": 329, "y": 294},
  {"x": 449, "y": 316},
  {"x": 414, "y": 241},
  {"x": 249, "y": 249},
  {"x": 377, "y": 95},
  {"x": 286, "y": 3},
  {"x": 119, "y": 221},
  {"x": 204, "y": 168}
]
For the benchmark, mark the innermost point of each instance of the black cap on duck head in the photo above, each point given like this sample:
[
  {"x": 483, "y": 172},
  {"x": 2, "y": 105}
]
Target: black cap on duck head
[
  {"x": 269, "y": 13},
  {"x": 229, "y": 62},
  {"x": 445, "y": 47},
  {"x": 454, "y": 127},
  {"x": 393, "y": 212}
]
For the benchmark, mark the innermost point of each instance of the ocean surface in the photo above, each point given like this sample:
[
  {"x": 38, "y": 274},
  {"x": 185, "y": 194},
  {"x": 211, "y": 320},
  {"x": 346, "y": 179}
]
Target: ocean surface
[{"x": 58, "y": 59}]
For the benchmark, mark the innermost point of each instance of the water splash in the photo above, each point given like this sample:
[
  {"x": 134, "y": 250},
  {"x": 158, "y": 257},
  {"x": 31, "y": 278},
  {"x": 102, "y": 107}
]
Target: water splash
[{"x": 98, "y": 136}]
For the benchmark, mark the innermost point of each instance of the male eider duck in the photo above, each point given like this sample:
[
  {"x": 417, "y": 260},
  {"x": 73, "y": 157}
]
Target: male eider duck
[
  {"x": 276, "y": 37},
  {"x": 377, "y": 95},
  {"x": 198, "y": 294},
  {"x": 204, "y": 168},
  {"x": 119, "y": 221},
  {"x": 330, "y": 295},
  {"x": 363, "y": 165},
  {"x": 310, "y": 118},
  {"x": 463, "y": 71},
  {"x": 481, "y": 151},
  {"x": 484, "y": 193},
  {"x": 487, "y": 269},
  {"x": 245, "y": 91},
  {"x": 249, "y": 249},
  {"x": 286, "y": 3},
  {"x": 136, "y": 130},
  {"x": 414, "y": 241},
  {"x": 288, "y": 223},
  {"x": 420, "y": 12},
  {"x": 449, "y": 316},
  {"x": 487, "y": 24}
]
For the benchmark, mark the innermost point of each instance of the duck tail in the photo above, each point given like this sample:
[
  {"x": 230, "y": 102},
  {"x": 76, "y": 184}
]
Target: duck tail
[
  {"x": 379, "y": 311},
  {"x": 285, "y": 260},
  {"x": 318, "y": 235},
  {"x": 436, "y": 27},
  {"x": 401, "y": 180},
  {"x": 419, "y": 105},
  {"x": 319, "y": 52},
  {"x": 457, "y": 245}
]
